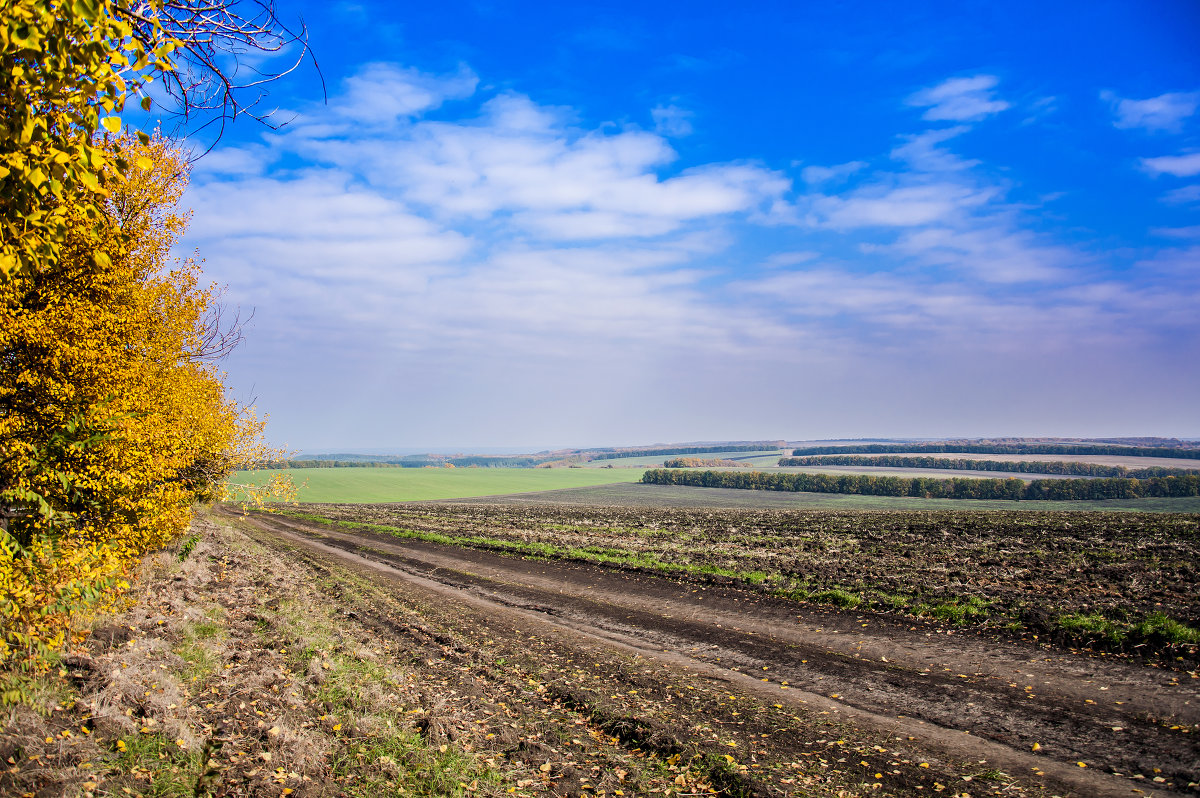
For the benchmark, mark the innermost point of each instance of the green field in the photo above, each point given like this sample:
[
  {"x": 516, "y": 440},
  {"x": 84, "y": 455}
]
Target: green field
[
  {"x": 428, "y": 484},
  {"x": 619, "y": 486}
]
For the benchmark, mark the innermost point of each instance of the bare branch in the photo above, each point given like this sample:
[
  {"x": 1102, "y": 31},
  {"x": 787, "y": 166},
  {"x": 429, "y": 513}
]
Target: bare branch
[
  {"x": 221, "y": 334},
  {"x": 221, "y": 48}
]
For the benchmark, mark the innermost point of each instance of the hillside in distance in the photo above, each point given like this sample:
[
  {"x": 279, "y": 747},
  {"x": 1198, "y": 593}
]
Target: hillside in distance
[{"x": 579, "y": 456}]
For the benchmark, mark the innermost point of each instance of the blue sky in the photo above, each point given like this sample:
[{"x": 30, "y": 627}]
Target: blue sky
[{"x": 531, "y": 224}]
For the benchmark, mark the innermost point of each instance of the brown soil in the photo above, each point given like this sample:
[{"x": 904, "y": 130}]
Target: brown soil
[
  {"x": 1026, "y": 570},
  {"x": 901, "y": 692},
  {"x": 360, "y": 664}
]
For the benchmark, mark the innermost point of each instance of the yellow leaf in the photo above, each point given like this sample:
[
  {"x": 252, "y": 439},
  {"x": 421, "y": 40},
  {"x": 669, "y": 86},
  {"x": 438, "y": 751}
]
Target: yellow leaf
[{"x": 111, "y": 123}]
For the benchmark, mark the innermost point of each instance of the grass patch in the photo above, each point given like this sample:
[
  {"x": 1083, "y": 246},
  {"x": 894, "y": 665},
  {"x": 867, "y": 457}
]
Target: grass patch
[
  {"x": 1155, "y": 628},
  {"x": 1158, "y": 625},
  {"x": 169, "y": 770},
  {"x": 401, "y": 763},
  {"x": 195, "y": 648},
  {"x": 837, "y": 597},
  {"x": 1093, "y": 627},
  {"x": 960, "y": 611}
]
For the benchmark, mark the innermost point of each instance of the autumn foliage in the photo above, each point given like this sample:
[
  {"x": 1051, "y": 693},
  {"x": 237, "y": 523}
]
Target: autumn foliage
[
  {"x": 114, "y": 419},
  {"x": 113, "y": 414},
  {"x": 700, "y": 462}
]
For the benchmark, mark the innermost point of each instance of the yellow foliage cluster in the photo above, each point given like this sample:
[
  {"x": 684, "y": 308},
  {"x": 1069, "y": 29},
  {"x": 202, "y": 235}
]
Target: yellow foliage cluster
[
  {"x": 66, "y": 68},
  {"x": 113, "y": 415}
]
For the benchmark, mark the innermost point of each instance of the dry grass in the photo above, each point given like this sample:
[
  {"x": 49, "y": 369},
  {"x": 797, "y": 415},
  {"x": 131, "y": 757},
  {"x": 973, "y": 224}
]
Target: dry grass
[{"x": 230, "y": 676}]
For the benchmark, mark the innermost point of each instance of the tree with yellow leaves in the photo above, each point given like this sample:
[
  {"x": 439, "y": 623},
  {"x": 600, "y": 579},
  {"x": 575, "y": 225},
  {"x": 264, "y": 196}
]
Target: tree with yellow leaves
[{"x": 113, "y": 416}]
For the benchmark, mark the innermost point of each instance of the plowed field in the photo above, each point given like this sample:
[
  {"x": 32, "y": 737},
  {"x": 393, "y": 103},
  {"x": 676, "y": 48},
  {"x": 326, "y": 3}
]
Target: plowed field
[{"x": 1010, "y": 691}]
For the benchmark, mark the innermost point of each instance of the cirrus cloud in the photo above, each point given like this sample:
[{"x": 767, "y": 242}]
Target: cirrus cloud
[{"x": 960, "y": 99}]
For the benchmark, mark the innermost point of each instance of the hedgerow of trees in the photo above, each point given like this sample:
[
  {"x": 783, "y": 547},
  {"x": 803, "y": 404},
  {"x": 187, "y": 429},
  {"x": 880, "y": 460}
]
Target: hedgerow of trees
[
  {"x": 929, "y": 488},
  {"x": 114, "y": 418},
  {"x": 697, "y": 462},
  {"x": 987, "y": 448},
  {"x": 1064, "y": 467},
  {"x": 482, "y": 461},
  {"x": 754, "y": 447}
]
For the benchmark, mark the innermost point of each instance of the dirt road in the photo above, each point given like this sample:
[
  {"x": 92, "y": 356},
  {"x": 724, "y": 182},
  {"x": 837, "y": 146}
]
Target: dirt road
[{"x": 1065, "y": 723}]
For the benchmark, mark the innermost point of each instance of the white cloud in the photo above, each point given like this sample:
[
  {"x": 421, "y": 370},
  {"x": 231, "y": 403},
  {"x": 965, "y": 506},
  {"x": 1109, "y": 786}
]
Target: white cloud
[
  {"x": 315, "y": 229},
  {"x": 896, "y": 312},
  {"x": 904, "y": 206},
  {"x": 593, "y": 225},
  {"x": 1183, "y": 195},
  {"x": 822, "y": 174},
  {"x": 1177, "y": 232},
  {"x": 1177, "y": 165},
  {"x": 1166, "y": 112},
  {"x": 791, "y": 258},
  {"x": 248, "y": 161},
  {"x": 671, "y": 120},
  {"x": 960, "y": 99},
  {"x": 517, "y": 114},
  {"x": 554, "y": 180},
  {"x": 994, "y": 254},
  {"x": 385, "y": 93},
  {"x": 445, "y": 238},
  {"x": 922, "y": 151}
]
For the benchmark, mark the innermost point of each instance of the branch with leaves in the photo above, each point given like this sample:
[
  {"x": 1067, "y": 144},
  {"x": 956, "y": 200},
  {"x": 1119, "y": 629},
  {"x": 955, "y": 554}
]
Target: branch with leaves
[{"x": 67, "y": 69}]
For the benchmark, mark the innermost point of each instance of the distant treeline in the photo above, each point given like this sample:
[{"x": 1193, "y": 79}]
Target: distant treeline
[
  {"x": 328, "y": 464},
  {"x": 929, "y": 488},
  {"x": 762, "y": 446},
  {"x": 410, "y": 462},
  {"x": 352, "y": 457},
  {"x": 1140, "y": 441},
  {"x": 485, "y": 461},
  {"x": 1017, "y": 448},
  {"x": 696, "y": 462},
  {"x": 958, "y": 464}
]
